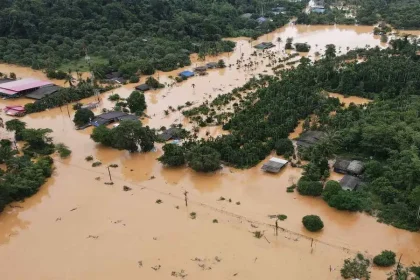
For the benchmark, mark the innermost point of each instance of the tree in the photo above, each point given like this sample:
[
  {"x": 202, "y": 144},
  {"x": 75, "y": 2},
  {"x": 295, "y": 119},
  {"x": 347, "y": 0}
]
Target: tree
[
  {"x": 173, "y": 155},
  {"x": 415, "y": 199},
  {"x": 308, "y": 187},
  {"x": 312, "y": 223},
  {"x": 284, "y": 147},
  {"x": 153, "y": 83},
  {"x": 136, "y": 102},
  {"x": 385, "y": 259},
  {"x": 12, "y": 76},
  {"x": 17, "y": 126},
  {"x": 6, "y": 151},
  {"x": 330, "y": 51},
  {"x": 331, "y": 189},
  {"x": 203, "y": 159},
  {"x": 102, "y": 134},
  {"x": 356, "y": 268},
  {"x": 346, "y": 200},
  {"x": 134, "y": 79},
  {"x": 221, "y": 64},
  {"x": 37, "y": 138},
  {"x": 82, "y": 117}
]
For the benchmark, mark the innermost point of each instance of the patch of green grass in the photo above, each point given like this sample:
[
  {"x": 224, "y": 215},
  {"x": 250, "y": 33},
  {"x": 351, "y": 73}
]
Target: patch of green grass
[{"x": 81, "y": 64}]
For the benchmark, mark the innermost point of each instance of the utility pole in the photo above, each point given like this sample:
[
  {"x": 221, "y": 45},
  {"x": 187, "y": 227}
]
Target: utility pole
[
  {"x": 186, "y": 198},
  {"x": 109, "y": 172}
]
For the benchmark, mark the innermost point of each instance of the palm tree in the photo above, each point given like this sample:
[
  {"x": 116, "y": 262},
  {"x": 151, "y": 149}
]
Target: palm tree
[{"x": 69, "y": 78}]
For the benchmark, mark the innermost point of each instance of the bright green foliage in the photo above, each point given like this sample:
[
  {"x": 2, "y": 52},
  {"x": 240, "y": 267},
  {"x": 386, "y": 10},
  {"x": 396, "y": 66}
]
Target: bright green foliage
[
  {"x": 356, "y": 268},
  {"x": 313, "y": 223},
  {"x": 174, "y": 155},
  {"x": 136, "y": 102},
  {"x": 203, "y": 159},
  {"x": 82, "y": 117},
  {"x": 129, "y": 135},
  {"x": 386, "y": 258}
]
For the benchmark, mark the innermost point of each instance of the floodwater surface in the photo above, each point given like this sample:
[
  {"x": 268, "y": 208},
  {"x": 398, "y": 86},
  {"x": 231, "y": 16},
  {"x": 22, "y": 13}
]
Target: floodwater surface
[{"x": 77, "y": 227}]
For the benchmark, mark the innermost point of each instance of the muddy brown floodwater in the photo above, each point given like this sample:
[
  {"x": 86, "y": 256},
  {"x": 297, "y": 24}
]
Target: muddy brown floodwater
[{"x": 76, "y": 227}]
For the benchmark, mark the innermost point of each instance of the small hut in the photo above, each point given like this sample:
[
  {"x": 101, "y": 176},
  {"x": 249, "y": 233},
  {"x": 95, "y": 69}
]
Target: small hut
[
  {"x": 274, "y": 165},
  {"x": 341, "y": 165},
  {"x": 186, "y": 74},
  {"x": 200, "y": 69},
  {"x": 352, "y": 167},
  {"x": 142, "y": 87},
  {"x": 349, "y": 183},
  {"x": 212, "y": 65},
  {"x": 170, "y": 133},
  {"x": 264, "y": 46},
  {"x": 310, "y": 138}
]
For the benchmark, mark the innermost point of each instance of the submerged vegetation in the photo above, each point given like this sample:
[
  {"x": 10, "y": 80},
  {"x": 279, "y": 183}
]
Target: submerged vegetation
[{"x": 25, "y": 173}]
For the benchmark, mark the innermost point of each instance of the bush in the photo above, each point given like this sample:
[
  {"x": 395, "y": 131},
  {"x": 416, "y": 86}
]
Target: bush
[
  {"x": 307, "y": 187},
  {"x": 385, "y": 259},
  {"x": 96, "y": 164},
  {"x": 281, "y": 217},
  {"x": 89, "y": 158},
  {"x": 82, "y": 117},
  {"x": 203, "y": 159},
  {"x": 356, "y": 268},
  {"x": 331, "y": 188},
  {"x": 114, "y": 97},
  {"x": 62, "y": 150},
  {"x": 173, "y": 155},
  {"x": 415, "y": 270},
  {"x": 313, "y": 223},
  {"x": 346, "y": 200},
  {"x": 134, "y": 79}
]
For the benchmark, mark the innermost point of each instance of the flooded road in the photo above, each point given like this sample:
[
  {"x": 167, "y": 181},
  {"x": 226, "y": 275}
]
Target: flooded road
[{"x": 83, "y": 229}]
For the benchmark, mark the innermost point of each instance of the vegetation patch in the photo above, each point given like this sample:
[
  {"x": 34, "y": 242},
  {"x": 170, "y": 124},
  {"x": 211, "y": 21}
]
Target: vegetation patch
[
  {"x": 312, "y": 223},
  {"x": 385, "y": 259}
]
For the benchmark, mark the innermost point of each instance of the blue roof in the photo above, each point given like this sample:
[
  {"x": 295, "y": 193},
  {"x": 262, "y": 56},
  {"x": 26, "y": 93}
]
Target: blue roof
[
  {"x": 187, "y": 74},
  {"x": 261, "y": 19}
]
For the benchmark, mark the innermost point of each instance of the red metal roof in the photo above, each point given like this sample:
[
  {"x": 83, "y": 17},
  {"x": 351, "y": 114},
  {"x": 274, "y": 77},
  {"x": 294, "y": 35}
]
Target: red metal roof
[{"x": 15, "y": 87}]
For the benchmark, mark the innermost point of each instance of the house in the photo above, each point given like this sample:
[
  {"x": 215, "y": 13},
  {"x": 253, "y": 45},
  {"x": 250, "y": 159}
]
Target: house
[
  {"x": 170, "y": 133},
  {"x": 142, "y": 87},
  {"x": 43, "y": 92},
  {"x": 264, "y": 46},
  {"x": 261, "y": 20},
  {"x": 274, "y": 165},
  {"x": 349, "y": 183},
  {"x": 212, "y": 65},
  {"x": 352, "y": 167},
  {"x": 20, "y": 87},
  {"x": 200, "y": 69},
  {"x": 110, "y": 117},
  {"x": 310, "y": 138},
  {"x": 91, "y": 105},
  {"x": 318, "y": 9},
  {"x": 186, "y": 74},
  {"x": 15, "y": 111}
]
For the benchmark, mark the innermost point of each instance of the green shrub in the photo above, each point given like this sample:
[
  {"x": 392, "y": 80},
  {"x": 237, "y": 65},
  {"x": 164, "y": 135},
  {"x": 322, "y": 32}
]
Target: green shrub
[
  {"x": 313, "y": 223},
  {"x": 62, "y": 150},
  {"x": 415, "y": 270},
  {"x": 356, "y": 268},
  {"x": 193, "y": 215},
  {"x": 307, "y": 187},
  {"x": 281, "y": 217},
  {"x": 385, "y": 259},
  {"x": 331, "y": 188},
  {"x": 82, "y": 117},
  {"x": 134, "y": 79},
  {"x": 89, "y": 158},
  {"x": 215, "y": 221},
  {"x": 114, "y": 97},
  {"x": 96, "y": 163}
]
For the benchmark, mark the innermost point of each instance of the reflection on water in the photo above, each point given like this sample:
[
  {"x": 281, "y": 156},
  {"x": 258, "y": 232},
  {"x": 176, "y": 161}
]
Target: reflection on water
[{"x": 127, "y": 223}]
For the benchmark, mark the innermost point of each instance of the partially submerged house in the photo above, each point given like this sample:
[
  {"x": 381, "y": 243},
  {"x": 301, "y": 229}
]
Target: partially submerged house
[
  {"x": 350, "y": 183},
  {"x": 186, "y": 74},
  {"x": 310, "y": 138},
  {"x": 114, "y": 78},
  {"x": 200, "y": 69},
  {"x": 21, "y": 87},
  {"x": 318, "y": 9},
  {"x": 274, "y": 165},
  {"x": 212, "y": 65},
  {"x": 43, "y": 92},
  {"x": 110, "y": 117},
  {"x": 15, "y": 111},
  {"x": 170, "y": 134},
  {"x": 142, "y": 87},
  {"x": 264, "y": 46},
  {"x": 352, "y": 167}
]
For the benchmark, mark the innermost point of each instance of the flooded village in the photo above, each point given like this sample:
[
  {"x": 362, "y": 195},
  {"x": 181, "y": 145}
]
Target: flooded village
[{"x": 77, "y": 227}]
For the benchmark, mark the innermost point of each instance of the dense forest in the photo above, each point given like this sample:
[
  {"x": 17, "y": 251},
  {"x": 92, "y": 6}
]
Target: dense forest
[
  {"x": 130, "y": 35},
  {"x": 401, "y": 14}
]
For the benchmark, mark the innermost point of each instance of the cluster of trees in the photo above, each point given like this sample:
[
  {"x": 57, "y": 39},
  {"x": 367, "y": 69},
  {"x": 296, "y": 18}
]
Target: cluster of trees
[
  {"x": 313, "y": 223},
  {"x": 64, "y": 96},
  {"x": 128, "y": 135},
  {"x": 25, "y": 173},
  {"x": 133, "y": 36}
]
